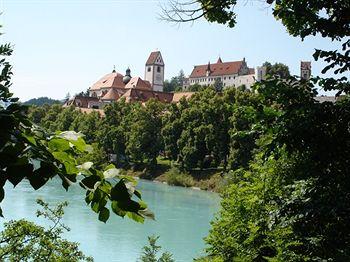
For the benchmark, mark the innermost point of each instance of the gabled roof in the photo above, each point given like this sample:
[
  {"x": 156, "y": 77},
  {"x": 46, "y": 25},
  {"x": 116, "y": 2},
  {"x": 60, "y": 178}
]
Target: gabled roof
[
  {"x": 111, "y": 95},
  {"x": 135, "y": 94},
  {"x": 305, "y": 65},
  {"x": 137, "y": 82},
  {"x": 81, "y": 101},
  {"x": 152, "y": 59},
  {"x": 113, "y": 79},
  {"x": 217, "y": 69}
]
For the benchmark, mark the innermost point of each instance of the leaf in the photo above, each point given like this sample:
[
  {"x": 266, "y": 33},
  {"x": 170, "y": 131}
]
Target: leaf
[
  {"x": 95, "y": 206},
  {"x": 137, "y": 193},
  {"x": 58, "y": 144},
  {"x": 41, "y": 175},
  {"x": 111, "y": 173},
  {"x": 2, "y": 194},
  {"x": 147, "y": 213},
  {"x": 89, "y": 181},
  {"x": 109, "y": 167},
  {"x": 29, "y": 138},
  {"x": 16, "y": 173},
  {"x": 70, "y": 135},
  {"x": 85, "y": 166},
  {"x": 136, "y": 217},
  {"x": 103, "y": 215},
  {"x": 80, "y": 144},
  {"x": 62, "y": 156},
  {"x": 120, "y": 192},
  {"x": 117, "y": 210}
]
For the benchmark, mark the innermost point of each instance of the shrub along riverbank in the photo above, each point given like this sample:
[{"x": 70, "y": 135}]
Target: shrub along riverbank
[{"x": 209, "y": 179}]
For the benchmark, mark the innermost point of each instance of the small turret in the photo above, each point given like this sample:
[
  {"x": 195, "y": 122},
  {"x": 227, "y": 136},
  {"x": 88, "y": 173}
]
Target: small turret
[
  {"x": 208, "y": 69},
  {"x": 127, "y": 76}
]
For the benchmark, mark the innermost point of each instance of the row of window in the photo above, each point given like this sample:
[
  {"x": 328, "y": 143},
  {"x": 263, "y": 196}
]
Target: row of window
[
  {"x": 149, "y": 69},
  {"x": 211, "y": 79}
]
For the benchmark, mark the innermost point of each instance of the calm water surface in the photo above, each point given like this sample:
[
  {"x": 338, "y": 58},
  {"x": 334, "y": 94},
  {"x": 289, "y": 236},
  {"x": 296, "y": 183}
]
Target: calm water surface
[{"x": 182, "y": 220}]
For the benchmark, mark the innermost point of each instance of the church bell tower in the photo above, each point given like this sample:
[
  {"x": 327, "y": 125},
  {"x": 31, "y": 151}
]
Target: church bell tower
[
  {"x": 305, "y": 70},
  {"x": 154, "y": 71}
]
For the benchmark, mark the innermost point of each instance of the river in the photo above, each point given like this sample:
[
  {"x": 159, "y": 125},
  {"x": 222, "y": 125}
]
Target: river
[{"x": 182, "y": 220}]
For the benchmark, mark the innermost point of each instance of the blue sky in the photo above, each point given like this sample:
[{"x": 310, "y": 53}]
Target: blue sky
[{"x": 65, "y": 46}]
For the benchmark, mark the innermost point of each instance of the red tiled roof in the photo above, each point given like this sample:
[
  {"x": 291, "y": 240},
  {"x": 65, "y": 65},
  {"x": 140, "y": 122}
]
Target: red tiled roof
[
  {"x": 152, "y": 58},
  {"x": 137, "y": 82},
  {"x": 218, "y": 69},
  {"x": 219, "y": 60},
  {"x": 113, "y": 79},
  {"x": 81, "y": 101},
  {"x": 112, "y": 94},
  {"x": 141, "y": 95}
]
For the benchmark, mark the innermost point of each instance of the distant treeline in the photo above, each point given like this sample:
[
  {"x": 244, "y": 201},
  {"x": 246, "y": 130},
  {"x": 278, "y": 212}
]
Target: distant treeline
[
  {"x": 197, "y": 133},
  {"x": 40, "y": 101}
]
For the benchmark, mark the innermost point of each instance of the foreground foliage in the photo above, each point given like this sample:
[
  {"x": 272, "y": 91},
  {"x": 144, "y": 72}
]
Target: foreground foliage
[
  {"x": 22, "y": 240},
  {"x": 150, "y": 252},
  {"x": 28, "y": 152}
]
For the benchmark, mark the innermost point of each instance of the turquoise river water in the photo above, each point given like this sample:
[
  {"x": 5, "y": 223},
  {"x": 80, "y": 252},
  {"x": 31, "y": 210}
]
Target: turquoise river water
[{"x": 182, "y": 220}]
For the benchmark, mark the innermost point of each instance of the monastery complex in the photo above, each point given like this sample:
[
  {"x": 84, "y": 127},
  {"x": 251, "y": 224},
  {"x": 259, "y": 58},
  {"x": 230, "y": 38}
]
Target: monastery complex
[{"x": 115, "y": 86}]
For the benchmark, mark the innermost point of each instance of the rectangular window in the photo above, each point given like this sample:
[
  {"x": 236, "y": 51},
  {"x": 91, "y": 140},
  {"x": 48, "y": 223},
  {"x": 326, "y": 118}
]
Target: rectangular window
[
  {"x": 158, "y": 69},
  {"x": 149, "y": 69}
]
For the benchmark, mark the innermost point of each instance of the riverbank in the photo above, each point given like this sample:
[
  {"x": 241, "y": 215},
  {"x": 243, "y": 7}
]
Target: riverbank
[{"x": 206, "y": 179}]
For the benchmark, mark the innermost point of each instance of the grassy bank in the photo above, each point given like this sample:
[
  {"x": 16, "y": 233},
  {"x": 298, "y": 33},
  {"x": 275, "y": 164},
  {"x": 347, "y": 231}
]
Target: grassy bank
[{"x": 206, "y": 179}]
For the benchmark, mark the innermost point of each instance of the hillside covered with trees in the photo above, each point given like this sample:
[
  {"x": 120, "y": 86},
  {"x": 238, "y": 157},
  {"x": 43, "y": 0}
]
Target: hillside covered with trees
[{"x": 42, "y": 101}]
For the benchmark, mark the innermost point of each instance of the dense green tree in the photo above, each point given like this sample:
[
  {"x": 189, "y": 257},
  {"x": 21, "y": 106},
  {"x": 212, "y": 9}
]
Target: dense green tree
[
  {"x": 278, "y": 69},
  {"x": 88, "y": 124},
  {"x": 37, "y": 113},
  {"x": 218, "y": 85},
  {"x": 65, "y": 119},
  {"x": 150, "y": 252},
  {"x": 204, "y": 130},
  {"x": 49, "y": 122},
  {"x": 22, "y": 240},
  {"x": 175, "y": 84},
  {"x": 292, "y": 202},
  {"x": 172, "y": 128},
  {"x": 111, "y": 134},
  {"x": 195, "y": 88},
  {"x": 143, "y": 139}
]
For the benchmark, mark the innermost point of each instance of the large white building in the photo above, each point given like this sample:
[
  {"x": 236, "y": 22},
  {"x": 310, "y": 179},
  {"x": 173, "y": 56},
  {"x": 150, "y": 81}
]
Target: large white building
[{"x": 234, "y": 73}]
